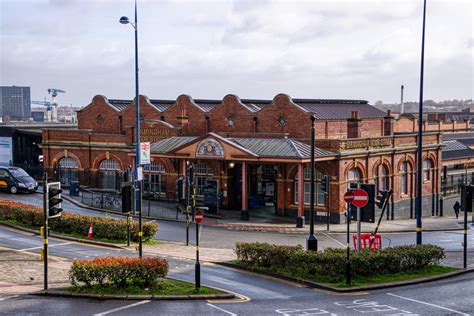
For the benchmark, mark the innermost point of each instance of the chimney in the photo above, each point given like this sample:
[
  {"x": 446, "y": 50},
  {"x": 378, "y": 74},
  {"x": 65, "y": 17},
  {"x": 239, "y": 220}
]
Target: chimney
[
  {"x": 402, "y": 105},
  {"x": 353, "y": 125}
]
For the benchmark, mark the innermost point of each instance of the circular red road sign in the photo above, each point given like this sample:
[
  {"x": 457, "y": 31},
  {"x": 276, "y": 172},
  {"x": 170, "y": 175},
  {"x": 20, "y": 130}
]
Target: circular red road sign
[
  {"x": 198, "y": 217},
  {"x": 361, "y": 198},
  {"x": 349, "y": 197}
]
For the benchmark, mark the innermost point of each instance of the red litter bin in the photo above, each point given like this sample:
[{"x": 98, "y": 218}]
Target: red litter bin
[{"x": 365, "y": 241}]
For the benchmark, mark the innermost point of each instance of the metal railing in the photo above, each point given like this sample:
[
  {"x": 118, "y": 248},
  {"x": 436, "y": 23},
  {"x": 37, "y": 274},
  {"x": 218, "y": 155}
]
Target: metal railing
[{"x": 103, "y": 200}]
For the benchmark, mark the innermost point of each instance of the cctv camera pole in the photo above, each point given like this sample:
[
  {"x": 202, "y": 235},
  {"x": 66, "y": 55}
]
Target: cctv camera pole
[{"x": 45, "y": 229}]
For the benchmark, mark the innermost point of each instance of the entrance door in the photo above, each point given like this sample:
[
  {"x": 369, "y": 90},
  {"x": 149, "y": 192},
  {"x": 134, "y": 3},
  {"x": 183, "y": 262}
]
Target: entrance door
[{"x": 234, "y": 191}]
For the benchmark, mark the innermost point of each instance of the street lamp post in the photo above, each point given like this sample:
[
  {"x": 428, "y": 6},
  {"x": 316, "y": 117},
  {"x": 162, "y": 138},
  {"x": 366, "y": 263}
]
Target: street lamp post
[
  {"x": 138, "y": 196},
  {"x": 312, "y": 242},
  {"x": 419, "y": 165}
]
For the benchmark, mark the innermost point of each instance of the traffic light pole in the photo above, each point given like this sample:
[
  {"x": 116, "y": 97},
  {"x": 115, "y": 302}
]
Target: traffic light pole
[
  {"x": 348, "y": 252},
  {"x": 197, "y": 265},
  {"x": 380, "y": 218},
  {"x": 465, "y": 238},
  {"x": 45, "y": 229}
]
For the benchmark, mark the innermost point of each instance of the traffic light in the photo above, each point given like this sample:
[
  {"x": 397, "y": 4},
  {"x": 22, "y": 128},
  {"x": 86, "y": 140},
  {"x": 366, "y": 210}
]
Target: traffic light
[
  {"x": 127, "y": 200},
  {"x": 368, "y": 211},
  {"x": 382, "y": 198},
  {"x": 191, "y": 174},
  {"x": 54, "y": 199},
  {"x": 467, "y": 194},
  {"x": 325, "y": 184}
]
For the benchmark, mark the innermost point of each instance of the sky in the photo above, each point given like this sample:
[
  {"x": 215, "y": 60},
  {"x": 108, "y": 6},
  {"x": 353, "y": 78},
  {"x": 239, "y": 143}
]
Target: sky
[{"x": 353, "y": 49}]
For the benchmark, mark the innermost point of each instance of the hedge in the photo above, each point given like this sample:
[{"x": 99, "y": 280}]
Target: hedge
[
  {"x": 120, "y": 272},
  {"x": 294, "y": 260},
  {"x": 107, "y": 228}
]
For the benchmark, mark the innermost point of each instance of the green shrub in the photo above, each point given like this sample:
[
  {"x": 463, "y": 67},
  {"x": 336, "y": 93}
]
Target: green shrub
[
  {"x": 120, "y": 272},
  {"x": 293, "y": 260},
  {"x": 107, "y": 228}
]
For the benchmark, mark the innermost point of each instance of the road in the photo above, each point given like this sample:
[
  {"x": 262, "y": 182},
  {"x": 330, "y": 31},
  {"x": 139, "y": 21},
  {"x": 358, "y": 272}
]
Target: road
[{"x": 258, "y": 296}]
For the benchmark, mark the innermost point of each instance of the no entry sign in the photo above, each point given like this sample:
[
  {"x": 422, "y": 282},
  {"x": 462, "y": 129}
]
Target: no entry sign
[
  {"x": 349, "y": 197},
  {"x": 361, "y": 198},
  {"x": 198, "y": 217}
]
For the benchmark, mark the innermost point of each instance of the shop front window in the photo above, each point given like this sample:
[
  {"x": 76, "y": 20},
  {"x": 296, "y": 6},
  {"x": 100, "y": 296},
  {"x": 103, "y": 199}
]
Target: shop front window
[
  {"x": 108, "y": 174},
  {"x": 318, "y": 193},
  {"x": 68, "y": 170}
]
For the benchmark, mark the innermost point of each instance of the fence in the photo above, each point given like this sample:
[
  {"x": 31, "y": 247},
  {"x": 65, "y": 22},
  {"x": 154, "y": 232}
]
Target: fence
[{"x": 113, "y": 202}]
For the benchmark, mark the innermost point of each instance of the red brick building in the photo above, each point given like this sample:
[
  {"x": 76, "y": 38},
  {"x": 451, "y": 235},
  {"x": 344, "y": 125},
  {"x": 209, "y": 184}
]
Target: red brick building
[{"x": 256, "y": 149}]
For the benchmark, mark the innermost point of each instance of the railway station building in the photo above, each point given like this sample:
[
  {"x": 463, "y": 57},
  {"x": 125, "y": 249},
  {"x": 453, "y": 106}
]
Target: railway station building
[{"x": 258, "y": 151}]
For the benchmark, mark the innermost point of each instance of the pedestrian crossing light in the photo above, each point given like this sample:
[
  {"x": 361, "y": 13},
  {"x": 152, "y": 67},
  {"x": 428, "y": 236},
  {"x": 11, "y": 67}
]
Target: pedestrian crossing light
[
  {"x": 381, "y": 198},
  {"x": 54, "y": 200},
  {"x": 325, "y": 184}
]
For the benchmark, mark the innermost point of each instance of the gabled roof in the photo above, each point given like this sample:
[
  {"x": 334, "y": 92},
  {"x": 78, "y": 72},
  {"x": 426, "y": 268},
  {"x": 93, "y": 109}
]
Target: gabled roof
[
  {"x": 278, "y": 147},
  {"x": 168, "y": 145},
  {"x": 462, "y": 135},
  {"x": 162, "y": 105},
  {"x": 454, "y": 149},
  {"x": 119, "y": 105},
  {"x": 258, "y": 147},
  {"x": 206, "y": 105},
  {"x": 338, "y": 109}
]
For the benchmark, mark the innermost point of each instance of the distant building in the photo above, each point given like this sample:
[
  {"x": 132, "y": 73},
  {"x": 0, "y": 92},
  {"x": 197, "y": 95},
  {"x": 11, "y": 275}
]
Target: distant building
[
  {"x": 38, "y": 115},
  {"x": 15, "y": 103}
]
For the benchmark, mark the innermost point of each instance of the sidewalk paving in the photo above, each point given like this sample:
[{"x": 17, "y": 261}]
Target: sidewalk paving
[{"x": 22, "y": 272}]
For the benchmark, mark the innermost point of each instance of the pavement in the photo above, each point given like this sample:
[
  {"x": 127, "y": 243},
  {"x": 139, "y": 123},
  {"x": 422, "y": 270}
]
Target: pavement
[{"x": 264, "y": 220}]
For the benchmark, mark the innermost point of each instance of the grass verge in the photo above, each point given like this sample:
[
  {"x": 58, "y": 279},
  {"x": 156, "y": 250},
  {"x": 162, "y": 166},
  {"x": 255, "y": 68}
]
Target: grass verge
[
  {"x": 339, "y": 282},
  {"x": 163, "y": 287}
]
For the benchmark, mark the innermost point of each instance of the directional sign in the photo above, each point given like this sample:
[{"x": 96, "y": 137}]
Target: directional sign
[
  {"x": 361, "y": 198},
  {"x": 198, "y": 217},
  {"x": 349, "y": 197}
]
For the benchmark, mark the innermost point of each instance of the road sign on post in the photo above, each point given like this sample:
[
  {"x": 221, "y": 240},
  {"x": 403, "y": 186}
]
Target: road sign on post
[
  {"x": 198, "y": 217},
  {"x": 145, "y": 153},
  {"x": 349, "y": 197},
  {"x": 361, "y": 198}
]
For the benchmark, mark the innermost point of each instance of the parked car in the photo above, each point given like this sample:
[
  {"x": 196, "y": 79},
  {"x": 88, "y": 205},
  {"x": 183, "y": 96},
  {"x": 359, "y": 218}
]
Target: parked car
[{"x": 14, "y": 179}]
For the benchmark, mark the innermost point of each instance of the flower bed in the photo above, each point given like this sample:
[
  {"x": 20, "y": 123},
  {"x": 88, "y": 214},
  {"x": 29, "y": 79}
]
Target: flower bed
[
  {"x": 120, "y": 272},
  {"x": 330, "y": 263},
  {"x": 106, "y": 228}
]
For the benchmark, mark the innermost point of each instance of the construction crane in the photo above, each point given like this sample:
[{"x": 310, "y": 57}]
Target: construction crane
[{"x": 54, "y": 110}]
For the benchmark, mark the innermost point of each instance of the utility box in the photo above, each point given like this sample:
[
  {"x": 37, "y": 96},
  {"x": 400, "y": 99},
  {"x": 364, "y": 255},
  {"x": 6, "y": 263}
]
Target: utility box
[{"x": 74, "y": 188}]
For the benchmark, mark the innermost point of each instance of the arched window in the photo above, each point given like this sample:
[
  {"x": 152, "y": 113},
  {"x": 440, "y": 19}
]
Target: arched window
[
  {"x": 155, "y": 179},
  {"x": 68, "y": 170},
  {"x": 404, "y": 178},
  {"x": 380, "y": 178},
  {"x": 202, "y": 172},
  {"x": 108, "y": 174},
  {"x": 318, "y": 193},
  {"x": 427, "y": 166},
  {"x": 353, "y": 176}
]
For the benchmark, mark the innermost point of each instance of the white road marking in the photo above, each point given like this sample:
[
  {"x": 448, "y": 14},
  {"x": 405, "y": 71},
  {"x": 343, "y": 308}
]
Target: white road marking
[
  {"x": 122, "y": 308},
  {"x": 340, "y": 243},
  {"x": 221, "y": 309},
  {"x": 40, "y": 247},
  {"x": 447, "y": 240},
  {"x": 429, "y": 304},
  {"x": 4, "y": 298}
]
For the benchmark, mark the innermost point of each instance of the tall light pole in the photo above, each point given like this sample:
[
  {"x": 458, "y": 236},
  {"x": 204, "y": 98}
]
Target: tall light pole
[
  {"x": 419, "y": 160},
  {"x": 312, "y": 242},
  {"x": 138, "y": 196}
]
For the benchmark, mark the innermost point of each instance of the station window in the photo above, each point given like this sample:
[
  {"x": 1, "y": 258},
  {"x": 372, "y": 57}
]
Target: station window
[
  {"x": 154, "y": 179},
  {"x": 404, "y": 178},
  {"x": 68, "y": 169},
  {"x": 380, "y": 178},
  {"x": 427, "y": 169},
  {"x": 109, "y": 174},
  {"x": 202, "y": 172},
  {"x": 318, "y": 193}
]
